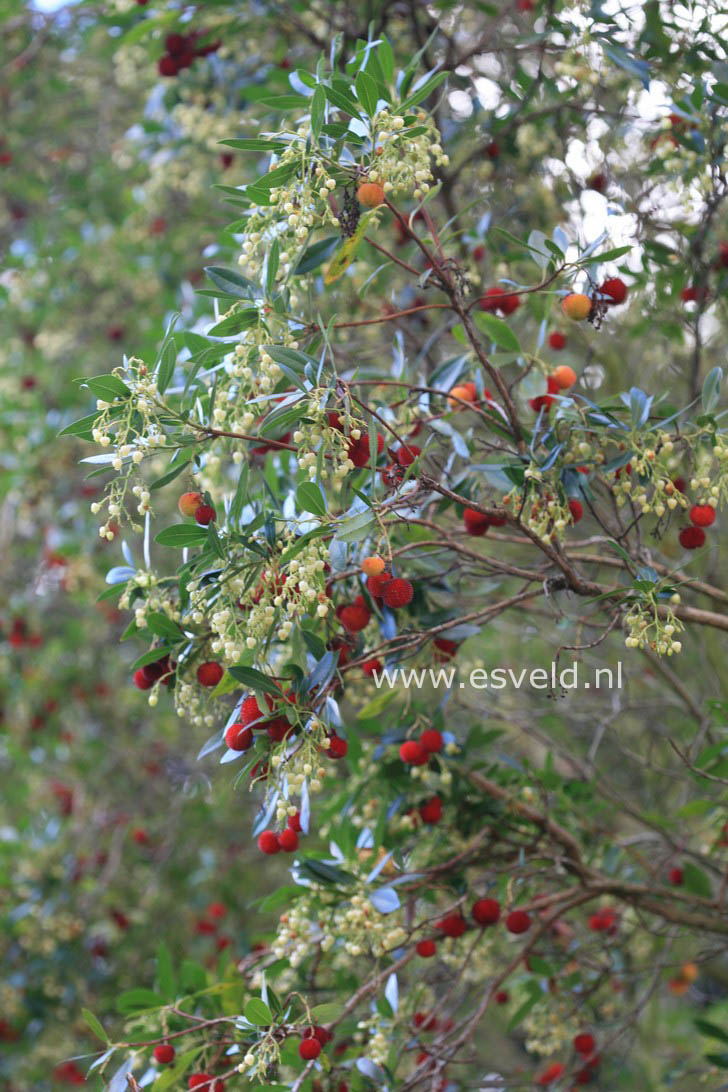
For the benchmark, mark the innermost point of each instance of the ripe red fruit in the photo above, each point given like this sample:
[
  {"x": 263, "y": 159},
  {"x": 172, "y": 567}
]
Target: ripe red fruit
[
  {"x": 478, "y": 253},
  {"x": 552, "y": 1073},
  {"x": 338, "y": 747},
  {"x": 426, "y": 948},
  {"x": 702, "y": 515},
  {"x": 294, "y": 822},
  {"x": 502, "y": 997},
  {"x": 598, "y": 182},
  {"x": 141, "y": 681},
  {"x": 167, "y": 66},
  {"x": 518, "y": 921},
  {"x": 615, "y": 288},
  {"x": 354, "y": 617},
  {"x": 675, "y": 876},
  {"x": 217, "y": 910},
  {"x": 268, "y": 842},
  {"x": 557, "y": 340},
  {"x": 453, "y": 925},
  {"x": 250, "y": 712},
  {"x": 205, "y": 515},
  {"x": 431, "y": 741},
  {"x": 486, "y": 911},
  {"x": 584, "y": 1043},
  {"x": 288, "y": 840},
  {"x": 604, "y": 920},
  {"x": 358, "y": 450},
  {"x": 492, "y": 150},
  {"x": 210, "y": 673},
  {"x": 376, "y": 584},
  {"x": 413, "y": 753},
  {"x": 164, "y": 1053},
  {"x": 370, "y": 666},
  {"x": 397, "y": 593},
  {"x": 576, "y": 508},
  {"x": 309, "y": 1049},
  {"x": 317, "y": 1032},
  {"x": 238, "y": 737},
  {"x": 205, "y": 1081},
  {"x": 692, "y": 538},
  {"x": 446, "y": 648},
  {"x": 431, "y": 810},
  {"x": 407, "y": 454},
  {"x": 476, "y": 523},
  {"x": 498, "y": 299}
]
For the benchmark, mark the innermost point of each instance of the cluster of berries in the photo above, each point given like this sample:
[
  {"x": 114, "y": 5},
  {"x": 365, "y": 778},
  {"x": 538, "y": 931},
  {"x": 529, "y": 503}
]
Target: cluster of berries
[
  {"x": 193, "y": 504},
  {"x": 181, "y": 50},
  {"x": 484, "y": 912},
  {"x": 701, "y": 516}
]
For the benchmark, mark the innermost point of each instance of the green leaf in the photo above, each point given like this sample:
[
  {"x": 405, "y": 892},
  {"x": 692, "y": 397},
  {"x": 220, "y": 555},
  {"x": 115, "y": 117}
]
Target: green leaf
[
  {"x": 107, "y": 387},
  {"x": 232, "y": 282},
  {"x": 285, "y": 102},
  {"x": 171, "y": 474},
  {"x": 422, "y": 92},
  {"x": 277, "y": 176},
  {"x": 711, "y": 1030},
  {"x": 366, "y": 92},
  {"x": 182, "y": 534},
  {"x": 356, "y": 527},
  {"x": 318, "y": 109},
  {"x": 82, "y": 427},
  {"x": 149, "y": 657},
  {"x": 257, "y": 1012},
  {"x": 711, "y": 389},
  {"x": 610, "y": 255},
  {"x": 316, "y": 254},
  {"x": 254, "y": 680},
  {"x": 170, "y": 1077},
  {"x": 695, "y": 880},
  {"x": 342, "y": 101},
  {"x": 497, "y": 330},
  {"x": 326, "y": 1013},
  {"x": 95, "y": 1025},
  {"x": 256, "y": 144},
  {"x": 310, "y": 498},
  {"x": 137, "y": 999},
  {"x": 235, "y": 324},
  {"x": 271, "y": 267},
  {"x": 325, "y": 873},
  {"x": 163, "y": 626}
]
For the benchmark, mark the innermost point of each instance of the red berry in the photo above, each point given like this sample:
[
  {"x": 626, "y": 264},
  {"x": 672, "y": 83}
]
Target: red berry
[
  {"x": 502, "y": 997},
  {"x": 486, "y": 911},
  {"x": 499, "y": 299},
  {"x": 413, "y": 753},
  {"x": 288, "y": 840},
  {"x": 354, "y": 617},
  {"x": 615, "y": 288},
  {"x": 238, "y": 737},
  {"x": 584, "y": 1043},
  {"x": 397, "y": 593},
  {"x": 376, "y": 584},
  {"x": 217, "y": 910},
  {"x": 476, "y": 523},
  {"x": 317, "y": 1032},
  {"x": 309, "y": 1049},
  {"x": 702, "y": 515},
  {"x": 167, "y": 66},
  {"x": 370, "y": 666},
  {"x": 206, "y": 1082},
  {"x": 453, "y": 925},
  {"x": 407, "y": 454},
  {"x": 675, "y": 876},
  {"x": 250, "y": 712},
  {"x": 557, "y": 340},
  {"x": 431, "y": 741},
  {"x": 518, "y": 921},
  {"x": 692, "y": 538},
  {"x": 492, "y": 150},
  {"x": 431, "y": 810},
  {"x": 338, "y": 747},
  {"x": 294, "y": 822},
  {"x": 164, "y": 1053},
  {"x": 358, "y": 450},
  {"x": 210, "y": 673},
  {"x": 552, "y": 1073},
  {"x": 447, "y": 647},
  {"x": 576, "y": 508},
  {"x": 268, "y": 842},
  {"x": 604, "y": 920},
  {"x": 426, "y": 948},
  {"x": 141, "y": 681},
  {"x": 205, "y": 514}
]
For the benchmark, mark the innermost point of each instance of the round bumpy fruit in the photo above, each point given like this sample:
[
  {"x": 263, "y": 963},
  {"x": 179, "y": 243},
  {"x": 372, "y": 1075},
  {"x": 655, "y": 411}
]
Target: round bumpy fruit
[
  {"x": 189, "y": 503},
  {"x": 584, "y": 1043},
  {"x": 431, "y": 810},
  {"x": 576, "y": 306},
  {"x": 426, "y": 949},
  {"x": 309, "y": 1049},
  {"x": 373, "y": 566},
  {"x": 205, "y": 1082},
  {"x": 431, "y": 741},
  {"x": 564, "y": 376},
  {"x": 413, "y": 753},
  {"x": 476, "y": 523},
  {"x": 288, "y": 840},
  {"x": 557, "y": 340},
  {"x": 486, "y": 911},
  {"x": 615, "y": 289},
  {"x": 164, "y": 1053},
  {"x": 702, "y": 515},
  {"x": 337, "y": 747},
  {"x": 397, "y": 593},
  {"x": 205, "y": 515},
  {"x": 268, "y": 842},
  {"x": 576, "y": 508},
  {"x": 464, "y": 392},
  {"x": 238, "y": 737},
  {"x": 452, "y": 925},
  {"x": 692, "y": 538},
  {"x": 370, "y": 194},
  {"x": 210, "y": 673},
  {"x": 518, "y": 921}
]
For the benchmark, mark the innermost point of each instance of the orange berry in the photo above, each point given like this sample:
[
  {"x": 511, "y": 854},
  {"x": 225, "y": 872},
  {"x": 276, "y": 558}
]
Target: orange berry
[
  {"x": 576, "y": 306},
  {"x": 372, "y": 566},
  {"x": 465, "y": 392},
  {"x": 370, "y": 194},
  {"x": 189, "y": 503},
  {"x": 564, "y": 376}
]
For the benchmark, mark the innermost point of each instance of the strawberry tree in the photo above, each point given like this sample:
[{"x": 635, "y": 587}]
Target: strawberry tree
[{"x": 371, "y": 457}]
